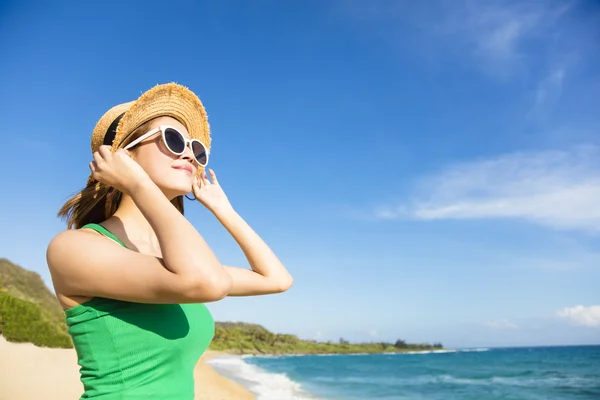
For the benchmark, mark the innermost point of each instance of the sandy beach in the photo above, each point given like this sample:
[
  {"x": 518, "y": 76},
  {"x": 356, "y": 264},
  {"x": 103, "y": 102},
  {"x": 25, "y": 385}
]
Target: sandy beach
[{"x": 30, "y": 373}]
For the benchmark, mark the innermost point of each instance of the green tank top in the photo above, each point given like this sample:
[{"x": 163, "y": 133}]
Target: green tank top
[{"x": 138, "y": 351}]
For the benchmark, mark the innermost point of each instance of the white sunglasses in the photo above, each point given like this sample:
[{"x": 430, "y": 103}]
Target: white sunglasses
[{"x": 176, "y": 143}]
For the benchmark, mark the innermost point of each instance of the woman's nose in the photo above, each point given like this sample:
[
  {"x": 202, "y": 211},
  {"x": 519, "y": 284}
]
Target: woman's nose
[{"x": 187, "y": 152}]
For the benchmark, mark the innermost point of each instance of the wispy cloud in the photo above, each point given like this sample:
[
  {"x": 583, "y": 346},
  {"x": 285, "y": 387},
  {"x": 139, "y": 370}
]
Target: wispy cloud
[
  {"x": 497, "y": 32},
  {"x": 538, "y": 43},
  {"x": 548, "y": 93},
  {"x": 493, "y": 35},
  {"x": 501, "y": 324},
  {"x": 581, "y": 315},
  {"x": 557, "y": 189},
  {"x": 500, "y": 31}
]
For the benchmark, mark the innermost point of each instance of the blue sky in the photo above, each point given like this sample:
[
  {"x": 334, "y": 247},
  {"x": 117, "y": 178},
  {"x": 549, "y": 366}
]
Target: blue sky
[{"x": 429, "y": 173}]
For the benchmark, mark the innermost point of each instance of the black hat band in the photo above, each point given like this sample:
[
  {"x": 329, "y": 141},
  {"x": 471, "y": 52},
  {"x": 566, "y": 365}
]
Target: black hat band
[{"x": 111, "y": 132}]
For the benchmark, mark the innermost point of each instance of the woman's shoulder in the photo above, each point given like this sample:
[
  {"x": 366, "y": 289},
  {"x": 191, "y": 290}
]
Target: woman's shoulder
[
  {"x": 70, "y": 242},
  {"x": 72, "y": 236}
]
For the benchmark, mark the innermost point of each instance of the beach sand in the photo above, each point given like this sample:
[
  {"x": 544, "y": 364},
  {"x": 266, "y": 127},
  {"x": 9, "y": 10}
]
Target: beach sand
[{"x": 28, "y": 372}]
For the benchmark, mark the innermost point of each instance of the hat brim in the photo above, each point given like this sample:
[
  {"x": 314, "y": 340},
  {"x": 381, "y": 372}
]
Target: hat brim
[
  {"x": 171, "y": 99},
  {"x": 103, "y": 125}
]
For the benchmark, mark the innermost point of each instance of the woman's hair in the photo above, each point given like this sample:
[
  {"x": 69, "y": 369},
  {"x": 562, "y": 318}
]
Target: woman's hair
[{"x": 97, "y": 202}]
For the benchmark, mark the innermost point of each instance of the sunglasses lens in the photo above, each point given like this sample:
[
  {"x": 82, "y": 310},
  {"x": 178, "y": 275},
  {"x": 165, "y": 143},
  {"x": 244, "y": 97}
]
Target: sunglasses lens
[
  {"x": 174, "y": 141},
  {"x": 199, "y": 152}
]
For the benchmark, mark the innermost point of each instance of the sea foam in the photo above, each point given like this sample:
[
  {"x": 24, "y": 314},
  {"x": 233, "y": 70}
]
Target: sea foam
[{"x": 265, "y": 385}]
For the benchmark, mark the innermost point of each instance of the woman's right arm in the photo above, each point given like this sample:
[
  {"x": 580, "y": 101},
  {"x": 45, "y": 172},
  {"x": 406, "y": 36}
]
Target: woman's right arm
[{"x": 87, "y": 264}]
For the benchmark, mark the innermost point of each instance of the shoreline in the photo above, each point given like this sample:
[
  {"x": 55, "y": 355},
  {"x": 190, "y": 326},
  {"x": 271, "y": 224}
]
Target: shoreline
[
  {"x": 222, "y": 387},
  {"x": 32, "y": 372},
  {"x": 291, "y": 354},
  {"x": 53, "y": 373}
]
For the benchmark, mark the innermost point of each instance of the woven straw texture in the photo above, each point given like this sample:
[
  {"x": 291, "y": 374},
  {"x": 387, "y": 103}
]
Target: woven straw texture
[{"x": 170, "y": 99}]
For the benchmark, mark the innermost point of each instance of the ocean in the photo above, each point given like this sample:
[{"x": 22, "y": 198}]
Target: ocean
[{"x": 532, "y": 373}]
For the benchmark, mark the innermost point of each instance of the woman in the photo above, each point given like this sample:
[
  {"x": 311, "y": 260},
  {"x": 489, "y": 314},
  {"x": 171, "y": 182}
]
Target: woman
[{"x": 134, "y": 274}]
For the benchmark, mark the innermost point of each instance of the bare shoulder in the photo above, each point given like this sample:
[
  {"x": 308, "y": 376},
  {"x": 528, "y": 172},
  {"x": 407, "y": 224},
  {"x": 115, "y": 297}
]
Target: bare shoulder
[
  {"x": 72, "y": 236},
  {"x": 73, "y": 246},
  {"x": 69, "y": 240}
]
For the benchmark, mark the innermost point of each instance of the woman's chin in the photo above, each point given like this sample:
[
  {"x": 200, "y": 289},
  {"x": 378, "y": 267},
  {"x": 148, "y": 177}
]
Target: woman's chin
[
  {"x": 174, "y": 194},
  {"x": 175, "y": 190}
]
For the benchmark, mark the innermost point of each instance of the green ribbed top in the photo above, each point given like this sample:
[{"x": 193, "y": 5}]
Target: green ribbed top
[{"x": 136, "y": 350}]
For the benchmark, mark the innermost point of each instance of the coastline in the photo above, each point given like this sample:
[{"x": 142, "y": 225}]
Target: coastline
[
  {"x": 53, "y": 373},
  {"x": 210, "y": 385},
  {"x": 299, "y": 354},
  {"x": 31, "y": 372}
]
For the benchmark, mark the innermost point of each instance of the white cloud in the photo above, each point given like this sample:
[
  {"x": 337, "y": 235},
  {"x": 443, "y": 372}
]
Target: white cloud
[
  {"x": 548, "y": 93},
  {"x": 499, "y": 29},
  {"x": 557, "y": 189},
  {"x": 491, "y": 35},
  {"x": 581, "y": 315},
  {"x": 496, "y": 32},
  {"x": 502, "y": 324}
]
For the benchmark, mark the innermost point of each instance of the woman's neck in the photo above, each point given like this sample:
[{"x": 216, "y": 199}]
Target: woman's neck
[{"x": 129, "y": 221}]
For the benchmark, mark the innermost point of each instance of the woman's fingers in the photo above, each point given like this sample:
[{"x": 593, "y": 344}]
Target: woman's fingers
[
  {"x": 97, "y": 159},
  {"x": 213, "y": 176},
  {"x": 205, "y": 178},
  {"x": 104, "y": 151}
]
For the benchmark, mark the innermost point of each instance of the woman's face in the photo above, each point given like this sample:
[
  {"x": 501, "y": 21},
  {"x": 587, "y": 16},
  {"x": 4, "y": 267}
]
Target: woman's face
[{"x": 173, "y": 174}]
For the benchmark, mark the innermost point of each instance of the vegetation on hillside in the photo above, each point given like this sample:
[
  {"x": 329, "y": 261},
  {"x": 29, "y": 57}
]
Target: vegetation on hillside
[
  {"x": 24, "y": 321},
  {"x": 29, "y": 312},
  {"x": 243, "y": 338},
  {"x": 28, "y": 285}
]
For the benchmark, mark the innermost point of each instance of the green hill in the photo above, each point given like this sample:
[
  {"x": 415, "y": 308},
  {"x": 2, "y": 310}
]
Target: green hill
[
  {"x": 29, "y": 312},
  {"x": 242, "y": 338}
]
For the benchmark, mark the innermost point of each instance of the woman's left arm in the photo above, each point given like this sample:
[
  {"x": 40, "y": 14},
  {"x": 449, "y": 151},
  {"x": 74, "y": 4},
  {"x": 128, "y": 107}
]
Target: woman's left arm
[{"x": 267, "y": 274}]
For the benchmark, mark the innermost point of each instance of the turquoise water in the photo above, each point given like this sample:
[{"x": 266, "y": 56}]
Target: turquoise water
[{"x": 548, "y": 373}]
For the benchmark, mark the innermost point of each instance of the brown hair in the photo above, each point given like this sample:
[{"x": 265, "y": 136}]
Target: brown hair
[{"x": 97, "y": 202}]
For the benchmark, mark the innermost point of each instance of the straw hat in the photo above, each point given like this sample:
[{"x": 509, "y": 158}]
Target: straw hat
[{"x": 170, "y": 99}]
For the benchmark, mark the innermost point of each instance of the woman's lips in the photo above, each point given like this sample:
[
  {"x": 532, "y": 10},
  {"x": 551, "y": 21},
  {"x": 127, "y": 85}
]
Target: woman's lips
[{"x": 187, "y": 168}]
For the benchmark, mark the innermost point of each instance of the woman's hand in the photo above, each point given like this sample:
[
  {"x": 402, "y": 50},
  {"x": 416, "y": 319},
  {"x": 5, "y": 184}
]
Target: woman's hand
[
  {"x": 211, "y": 195},
  {"x": 117, "y": 169}
]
